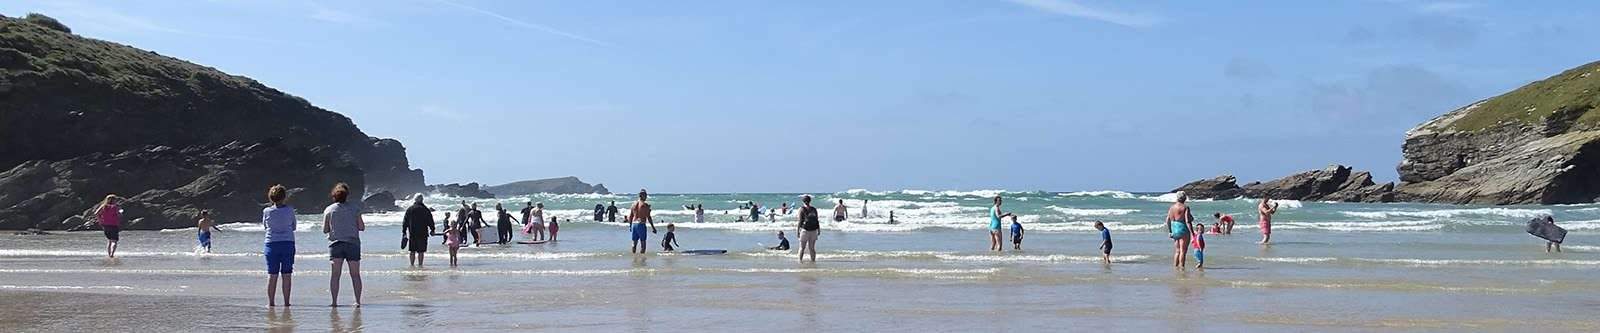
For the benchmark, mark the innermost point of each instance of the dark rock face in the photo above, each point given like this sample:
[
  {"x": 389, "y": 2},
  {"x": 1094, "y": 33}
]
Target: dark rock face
[
  {"x": 1223, "y": 187},
  {"x": 470, "y": 190},
  {"x": 563, "y": 185},
  {"x": 167, "y": 187},
  {"x": 379, "y": 202},
  {"x": 63, "y": 96},
  {"x": 1335, "y": 183},
  {"x": 1533, "y": 145}
]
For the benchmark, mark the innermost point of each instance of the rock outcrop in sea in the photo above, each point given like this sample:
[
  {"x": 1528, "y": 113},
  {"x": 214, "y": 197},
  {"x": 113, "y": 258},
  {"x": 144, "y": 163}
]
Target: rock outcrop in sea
[
  {"x": 379, "y": 202},
  {"x": 1538, "y": 144},
  {"x": 81, "y": 117},
  {"x": 468, "y": 190},
  {"x": 563, "y": 185},
  {"x": 1334, "y": 183}
]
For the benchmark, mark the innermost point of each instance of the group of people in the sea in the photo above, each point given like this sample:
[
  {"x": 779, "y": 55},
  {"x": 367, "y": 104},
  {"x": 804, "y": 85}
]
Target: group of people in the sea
[{"x": 343, "y": 224}]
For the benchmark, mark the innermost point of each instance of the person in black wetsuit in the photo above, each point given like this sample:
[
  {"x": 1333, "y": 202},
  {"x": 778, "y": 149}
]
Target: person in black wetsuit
[
  {"x": 611, "y": 212},
  {"x": 503, "y": 223},
  {"x": 599, "y": 212},
  {"x": 783, "y": 243},
  {"x": 476, "y": 217},
  {"x": 462, "y": 216},
  {"x": 670, "y": 241}
]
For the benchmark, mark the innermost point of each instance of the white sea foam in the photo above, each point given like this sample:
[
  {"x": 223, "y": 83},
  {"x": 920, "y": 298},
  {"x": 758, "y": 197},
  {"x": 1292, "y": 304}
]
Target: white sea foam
[
  {"x": 1362, "y": 226},
  {"x": 1092, "y": 212},
  {"x": 1417, "y": 262}
]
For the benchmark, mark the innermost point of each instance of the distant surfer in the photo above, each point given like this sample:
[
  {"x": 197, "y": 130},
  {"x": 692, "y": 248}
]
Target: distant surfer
[
  {"x": 109, "y": 214},
  {"x": 1224, "y": 223},
  {"x": 1266, "y": 209},
  {"x": 784, "y": 208},
  {"x": 1179, "y": 220},
  {"x": 994, "y": 224},
  {"x": 810, "y": 227},
  {"x": 864, "y": 203},
  {"x": 783, "y": 243},
  {"x": 611, "y": 212},
  {"x": 755, "y": 212},
  {"x": 638, "y": 216},
  {"x": 840, "y": 212},
  {"x": 1550, "y": 222},
  {"x": 891, "y": 218},
  {"x": 699, "y": 213},
  {"x": 417, "y": 226},
  {"x": 599, "y": 213}
]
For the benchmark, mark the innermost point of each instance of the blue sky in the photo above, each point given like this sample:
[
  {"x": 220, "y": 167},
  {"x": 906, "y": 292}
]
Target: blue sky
[{"x": 787, "y": 96}]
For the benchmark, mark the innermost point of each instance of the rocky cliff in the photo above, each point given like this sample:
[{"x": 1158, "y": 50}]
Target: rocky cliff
[
  {"x": 563, "y": 185},
  {"x": 64, "y": 96},
  {"x": 468, "y": 190},
  {"x": 1533, "y": 145},
  {"x": 81, "y": 117},
  {"x": 167, "y": 187}
]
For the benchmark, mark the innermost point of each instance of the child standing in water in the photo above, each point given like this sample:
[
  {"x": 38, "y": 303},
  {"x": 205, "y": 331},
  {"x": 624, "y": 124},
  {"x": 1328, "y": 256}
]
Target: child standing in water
[
  {"x": 670, "y": 240},
  {"x": 205, "y": 225},
  {"x": 1199, "y": 246},
  {"x": 452, "y": 239},
  {"x": 1016, "y": 233},
  {"x": 1105, "y": 240},
  {"x": 554, "y": 228}
]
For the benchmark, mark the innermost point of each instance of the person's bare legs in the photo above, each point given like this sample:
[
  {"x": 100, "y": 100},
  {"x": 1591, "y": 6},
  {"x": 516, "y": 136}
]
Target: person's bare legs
[
  {"x": 420, "y": 257},
  {"x": 411, "y": 259},
  {"x": 288, "y": 281},
  {"x": 333, "y": 281},
  {"x": 355, "y": 279},
  {"x": 1183, "y": 252},
  {"x": 272, "y": 290},
  {"x": 111, "y": 249}
]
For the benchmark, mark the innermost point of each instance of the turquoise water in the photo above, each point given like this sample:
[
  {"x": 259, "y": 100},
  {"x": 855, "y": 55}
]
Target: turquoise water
[{"x": 1333, "y": 266}]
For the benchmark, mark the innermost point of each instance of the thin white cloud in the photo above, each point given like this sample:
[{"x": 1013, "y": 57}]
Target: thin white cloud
[
  {"x": 340, "y": 17},
  {"x": 525, "y": 24},
  {"x": 1074, "y": 9}
]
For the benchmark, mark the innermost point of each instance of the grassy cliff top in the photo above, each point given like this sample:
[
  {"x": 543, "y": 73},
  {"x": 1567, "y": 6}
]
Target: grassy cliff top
[{"x": 1576, "y": 89}]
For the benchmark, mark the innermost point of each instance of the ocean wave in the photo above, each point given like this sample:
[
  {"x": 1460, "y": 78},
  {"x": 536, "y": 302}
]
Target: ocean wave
[
  {"x": 1092, "y": 212},
  {"x": 1362, "y": 226},
  {"x": 1107, "y": 193},
  {"x": 1451, "y": 213}
]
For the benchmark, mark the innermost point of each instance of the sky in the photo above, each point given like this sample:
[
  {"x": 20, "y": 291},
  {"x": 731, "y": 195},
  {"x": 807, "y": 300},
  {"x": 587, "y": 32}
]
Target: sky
[{"x": 823, "y": 96}]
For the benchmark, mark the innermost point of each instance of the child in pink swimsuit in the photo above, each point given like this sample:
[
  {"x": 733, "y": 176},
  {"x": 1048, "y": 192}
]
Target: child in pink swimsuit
[{"x": 453, "y": 241}]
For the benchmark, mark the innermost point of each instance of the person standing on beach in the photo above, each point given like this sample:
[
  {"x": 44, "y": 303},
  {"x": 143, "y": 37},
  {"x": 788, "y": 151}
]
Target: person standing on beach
[
  {"x": 994, "y": 224},
  {"x": 840, "y": 212},
  {"x": 611, "y": 212},
  {"x": 278, "y": 220},
  {"x": 343, "y": 225},
  {"x": 1266, "y": 209},
  {"x": 109, "y": 214},
  {"x": 638, "y": 215},
  {"x": 417, "y": 227},
  {"x": 205, "y": 225},
  {"x": 810, "y": 227},
  {"x": 1105, "y": 241},
  {"x": 1179, "y": 220}
]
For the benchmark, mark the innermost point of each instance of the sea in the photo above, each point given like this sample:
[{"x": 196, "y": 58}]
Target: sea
[{"x": 1330, "y": 267}]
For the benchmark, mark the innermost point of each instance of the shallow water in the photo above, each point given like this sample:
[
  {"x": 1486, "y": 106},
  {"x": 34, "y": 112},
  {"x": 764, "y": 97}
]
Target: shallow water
[{"x": 1334, "y": 266}]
